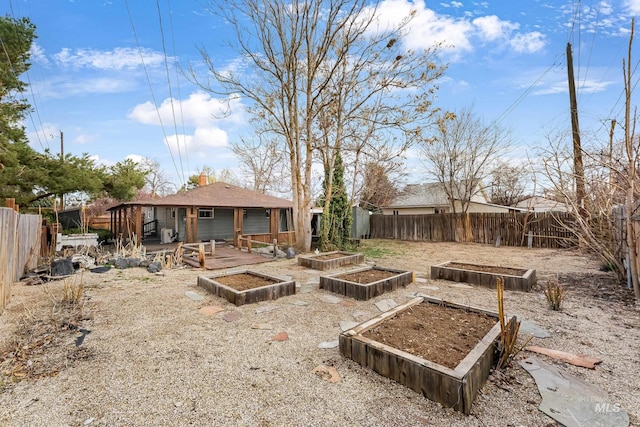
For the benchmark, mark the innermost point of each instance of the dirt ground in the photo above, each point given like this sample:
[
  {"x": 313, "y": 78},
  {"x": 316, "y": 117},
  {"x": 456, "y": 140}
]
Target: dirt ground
[{"x": 127, "y": 347}]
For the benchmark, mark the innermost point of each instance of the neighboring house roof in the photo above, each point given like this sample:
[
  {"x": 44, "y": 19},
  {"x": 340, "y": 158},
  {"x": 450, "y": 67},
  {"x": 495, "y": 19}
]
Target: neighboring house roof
[
  {"x": 426, "y": 195},
  {"x": 216, "y": 195},
  {"x": 542, "y": 204}
]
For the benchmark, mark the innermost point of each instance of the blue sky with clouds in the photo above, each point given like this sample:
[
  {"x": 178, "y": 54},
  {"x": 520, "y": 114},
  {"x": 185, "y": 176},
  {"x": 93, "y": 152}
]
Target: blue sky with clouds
[{"x": 100, "y": 69}]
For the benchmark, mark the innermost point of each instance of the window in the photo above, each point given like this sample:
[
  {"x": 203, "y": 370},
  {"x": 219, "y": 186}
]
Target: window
[
  {"x": 244, "y": 213},
  {"x": 205, "y": 213},
  {"x": 395, "y": 212},
  {"x": 268, "y": 213},
  {"x": 173, "y": 212}
]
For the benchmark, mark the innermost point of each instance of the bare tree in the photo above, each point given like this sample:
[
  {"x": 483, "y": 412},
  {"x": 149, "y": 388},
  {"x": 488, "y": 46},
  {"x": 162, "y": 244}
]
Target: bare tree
[
  {"x": 508, "y": 184},
  {"x": 157, "y": 183},
  {"x": 263, "y": 164},
  {"x": 377, "y": 188},
  {"x": 459, "y": 155},
  {"x": 302, "y": 66}
]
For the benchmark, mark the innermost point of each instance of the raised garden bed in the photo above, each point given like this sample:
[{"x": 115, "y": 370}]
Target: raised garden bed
[
  {"x": 247, "y": 287},
  {"x": 330, "y": 260},
  {"x": 515, "y": 279},
  {"x": 421, "y": 332},
  {"x": 367, "y": 282}
]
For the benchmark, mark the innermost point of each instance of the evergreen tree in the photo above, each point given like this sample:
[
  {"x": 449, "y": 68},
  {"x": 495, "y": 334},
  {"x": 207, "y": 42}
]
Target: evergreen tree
[{"x": 335, "y": 228}]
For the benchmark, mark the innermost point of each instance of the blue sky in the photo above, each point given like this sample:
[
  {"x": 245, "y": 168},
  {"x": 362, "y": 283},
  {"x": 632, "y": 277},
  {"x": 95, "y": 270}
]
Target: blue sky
[{"x": 507, "y": 60}]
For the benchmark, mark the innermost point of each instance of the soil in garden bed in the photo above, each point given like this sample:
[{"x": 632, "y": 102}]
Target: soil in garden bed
[
  {"x": 367, "y": 276},
  {"x": 244, "y": 281},
  {"x": 440, "y": 334},
  {"x": 488, "y": 269}
]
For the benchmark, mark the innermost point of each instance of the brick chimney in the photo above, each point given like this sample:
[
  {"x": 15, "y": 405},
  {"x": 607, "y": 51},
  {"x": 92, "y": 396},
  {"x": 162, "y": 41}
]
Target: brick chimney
[{"x": 202, "y": 179}]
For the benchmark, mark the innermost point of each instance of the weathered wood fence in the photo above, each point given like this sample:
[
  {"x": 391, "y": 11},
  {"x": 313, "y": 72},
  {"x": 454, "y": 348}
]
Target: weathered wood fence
[
  {"x": 543, "y": 230},
  {"x": 19, "y": 248}
]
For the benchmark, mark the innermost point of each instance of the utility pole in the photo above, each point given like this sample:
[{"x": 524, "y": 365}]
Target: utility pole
[
  {"x": 578, "y": 166},
  {"x": 62, "y": 161}
]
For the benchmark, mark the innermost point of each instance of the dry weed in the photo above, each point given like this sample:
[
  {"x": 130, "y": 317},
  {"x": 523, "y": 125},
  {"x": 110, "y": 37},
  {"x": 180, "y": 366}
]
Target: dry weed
[{"x": 555, "y": 295}]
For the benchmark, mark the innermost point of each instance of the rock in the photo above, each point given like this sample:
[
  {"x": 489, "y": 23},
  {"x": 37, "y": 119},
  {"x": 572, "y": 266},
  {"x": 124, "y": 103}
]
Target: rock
[
  {"x": 299, "y": 303},
  {"x": 328, "y": 344},
  {"x": 386, "y": 304},
  {"x": 231, "y": 316},
  {"x": 327, "y": 373},
  {"x": 331, "y": 299},
  {"x": 266, "y": 308},
  {"x": 154, "y": 267},
  {"x": 282, "y": 336},
  {"x": 210, "y": 310},
  {"x": 101, "y": 269},
  {"x": 121, "y": 263},
  {"x": 345, "y": 325},
  {"x": 83, "y": 261},
  {"x": 144, "y": 263},
  {"x": 62, "y": 267},
  {"x": 194, "y": 296},
  {"x": 133, "y": 262},
  {"x": 291, "y": 253},
  {"x": 280, "y": 254},
  {"x": 528, "y": 327}
]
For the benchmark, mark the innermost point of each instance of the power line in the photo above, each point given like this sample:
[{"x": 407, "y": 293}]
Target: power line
[
  {"x": 173, "y": 111},
  {"x": 146, "y": 73}
]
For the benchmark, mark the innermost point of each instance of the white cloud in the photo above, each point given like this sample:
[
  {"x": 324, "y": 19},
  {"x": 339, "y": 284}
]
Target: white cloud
[
  {"x": 199, "y": 144},
  {"x": 585, "y": 87},
  {"x": 116, "y": 59},
  {"x": 199, "y": 110},
  {"x": 493, "y": 28},
  {"x": 90, "y": 85},
  {"x": 83, "y": 138},
  {"x": 37, "y": 54},
  {"x": 633, "y": 6},
  {"x": 528, "y": 42}
]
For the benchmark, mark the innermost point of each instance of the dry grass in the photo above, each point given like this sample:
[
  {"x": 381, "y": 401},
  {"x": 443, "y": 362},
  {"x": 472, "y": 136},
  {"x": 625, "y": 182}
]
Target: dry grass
[
  {"x": 555, "y": 295},
  {"x": 508, "y": 345}
]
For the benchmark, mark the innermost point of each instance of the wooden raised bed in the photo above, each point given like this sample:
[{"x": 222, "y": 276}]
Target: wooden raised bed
[
  {"x": 347, "y": 284},
  {"x": 515, "y": 279},
  {"x": 274, "y": 289},
  {"x": 455, "y": 388},
  {"x": 330, "y": 260}
]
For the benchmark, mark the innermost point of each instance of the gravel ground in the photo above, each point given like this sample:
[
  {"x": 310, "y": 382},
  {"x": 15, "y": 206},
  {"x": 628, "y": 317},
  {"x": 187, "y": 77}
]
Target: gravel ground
[{"x": 152, "y": 358}]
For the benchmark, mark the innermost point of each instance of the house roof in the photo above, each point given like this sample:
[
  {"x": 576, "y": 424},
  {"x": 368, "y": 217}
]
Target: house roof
[
  {"x": 427, "y": 195},
  {"x": 216, "y": 195},
  {"x": 542, "y": 204}
]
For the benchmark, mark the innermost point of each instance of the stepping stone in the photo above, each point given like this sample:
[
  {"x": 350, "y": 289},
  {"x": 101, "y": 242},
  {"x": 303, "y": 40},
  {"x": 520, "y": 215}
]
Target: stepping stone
[
  {"x": 266, "y": 308},
  {"x": 345, "y": 325},
  {"x": 262, "y": 326},
  {"x": 328, "y": 344},
  {"x": 311, "y": 271},
  {"x": 348, "y": 303},
  {"x": 327, "y": 373},
  {"x": 299, "y": 303},
  {"x": 528, "y": 327},
  {"x": 429, "y": 288},
  {"x": 421, "y": 280},
  {"x": 315, "y": 281},
  {"x": 282, "y": 336},
  {"x": 331, "y": 299},
  {"x": 210, "y": 310},
  {"x": 461, "y": 286},
  {"x": 306, "y": 289},
  {"x": 386, "y": 304},
  {"x": 571, "y": 401},
  {"x": 194, "y": 296},
  {"x": 361, "y": 315},
  {"x": 231, "y": 316}
]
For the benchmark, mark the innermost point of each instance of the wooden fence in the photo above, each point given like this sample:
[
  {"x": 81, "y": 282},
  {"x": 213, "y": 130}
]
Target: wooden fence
[
  {"x": 543, "y": 230},
  {"x": 19, "y": 248}
]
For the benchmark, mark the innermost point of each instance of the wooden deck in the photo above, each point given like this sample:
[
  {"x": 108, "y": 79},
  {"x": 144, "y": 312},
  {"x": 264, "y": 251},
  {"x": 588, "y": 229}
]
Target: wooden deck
[{"x": 225, "y": 256}]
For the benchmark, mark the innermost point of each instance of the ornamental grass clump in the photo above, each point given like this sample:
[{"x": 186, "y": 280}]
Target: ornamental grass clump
[{"x": 555, "y": 295}]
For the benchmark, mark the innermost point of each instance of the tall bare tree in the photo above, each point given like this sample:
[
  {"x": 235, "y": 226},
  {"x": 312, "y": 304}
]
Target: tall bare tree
[
  {"x": 262, "y": 161},
  {"x": 459, "y": 154},
  {"x": 310, "y": 68},
  {"x": 507, "y": 184}
]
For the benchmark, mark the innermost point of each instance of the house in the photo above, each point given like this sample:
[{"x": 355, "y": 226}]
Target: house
[
  {"x": 431, "y": 198},
  {"x": 217, "y": 211},
  {"x": 542, "y": 204}
]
